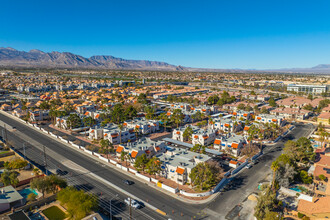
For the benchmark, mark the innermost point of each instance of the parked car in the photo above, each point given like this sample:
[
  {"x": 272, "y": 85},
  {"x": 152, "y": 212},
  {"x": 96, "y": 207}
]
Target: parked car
[
  {"x": 133, "y": 203},
  {"x": 128, "y": 182}
]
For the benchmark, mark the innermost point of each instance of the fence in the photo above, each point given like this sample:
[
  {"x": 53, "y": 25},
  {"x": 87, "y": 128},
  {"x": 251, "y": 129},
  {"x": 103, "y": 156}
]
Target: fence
[
  {"x": 196, "y": 194},
  {"x": 142, "y": 177},
  {"x": 26, "y": 181},
  {"x": 37, "y": 203},
  {"x": 221, "y": 184},
  {"x": 239, "y": 168}
]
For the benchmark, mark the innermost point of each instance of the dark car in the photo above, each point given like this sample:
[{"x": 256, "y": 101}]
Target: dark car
[
  {"x": 61, "y": 172},
  {"x": 128, "y": 182}
]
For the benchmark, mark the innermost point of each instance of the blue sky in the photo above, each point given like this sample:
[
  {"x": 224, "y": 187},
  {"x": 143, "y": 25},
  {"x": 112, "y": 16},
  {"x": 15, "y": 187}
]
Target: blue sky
[{"x": 253, "y": 34}]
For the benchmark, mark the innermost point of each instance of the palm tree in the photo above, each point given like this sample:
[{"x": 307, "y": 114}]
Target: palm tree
[
  {"x": 127, "y": 158},
  {"x": 137, "y": 131},
  {"x": 275, "y": 166},
  {"x": 123, "y": 156}
]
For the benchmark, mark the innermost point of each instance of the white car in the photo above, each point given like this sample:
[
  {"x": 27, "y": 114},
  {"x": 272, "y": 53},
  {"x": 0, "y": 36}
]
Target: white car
[
  {"x": 133, "y": 203},
  {"x": 248, "y": 166}
]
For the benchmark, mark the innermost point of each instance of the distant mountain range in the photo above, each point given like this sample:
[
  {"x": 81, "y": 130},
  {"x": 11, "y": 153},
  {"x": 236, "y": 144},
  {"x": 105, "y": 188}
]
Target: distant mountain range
[
  {"x": 10, "y": 57},
  {"x": 36, "y": 58}
]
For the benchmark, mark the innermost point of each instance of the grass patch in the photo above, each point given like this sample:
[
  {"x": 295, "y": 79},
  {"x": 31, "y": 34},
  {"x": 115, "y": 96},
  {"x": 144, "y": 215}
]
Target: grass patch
[
  {"x": 54, "y": 213},
  {"x": 4, "y": 152}
]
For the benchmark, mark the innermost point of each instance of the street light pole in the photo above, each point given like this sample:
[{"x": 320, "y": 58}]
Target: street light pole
[
  {"x": 24, "y": 150},
  {"x": 45, "y": 160},
  {"x": 110, "y": 213}
]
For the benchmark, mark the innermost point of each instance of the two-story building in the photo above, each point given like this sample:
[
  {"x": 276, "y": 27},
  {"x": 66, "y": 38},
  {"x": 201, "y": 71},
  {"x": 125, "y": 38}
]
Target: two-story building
[
  {"x": 204, "y": 137},
  {"x": 232, "y": 143},
  {"x": 145, "y": 126},
  {"x": 267, "y": 118},
  {"x": 177, "y": 164},
  {"x": 142, "y": 146}
]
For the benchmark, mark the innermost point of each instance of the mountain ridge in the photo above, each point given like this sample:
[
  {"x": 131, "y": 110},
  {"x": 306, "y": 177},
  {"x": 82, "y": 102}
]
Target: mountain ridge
[
  {"x": 10, "y": 57},
  {"x": 37, "y": 58}
]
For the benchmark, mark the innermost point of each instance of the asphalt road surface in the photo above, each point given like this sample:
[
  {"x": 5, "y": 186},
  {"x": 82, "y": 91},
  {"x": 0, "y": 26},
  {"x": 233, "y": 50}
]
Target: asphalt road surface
[{"x": 80, "y": 171}]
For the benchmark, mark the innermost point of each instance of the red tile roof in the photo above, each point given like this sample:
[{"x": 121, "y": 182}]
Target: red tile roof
[
  {"x": 179, "y": 170},
  {"x": 119, "y": 149}
]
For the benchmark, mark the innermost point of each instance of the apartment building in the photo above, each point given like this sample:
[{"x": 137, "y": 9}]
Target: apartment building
[
  {"x": 182, "y": 106},
  {"x": 94, "y": 114},
  {"x": 225, "y": 124},
  {"x": 142, "y": 146},
  {"x": 95, "y": 133},
  {"x": 61, "y": 122},
  {"x": 177, "y": 133},
  {"x": 186, "y": 116},
  {"x": 232, "y": 142},
  {"x": 82, "y": 109},
  {"x": 244, "y": 114},
  {"x": 178, "y": 163},
  {"x": 116, "y": 136},
  {"x": 39, "y": 115},
  {"x": 145, "y": 126},
  {"x": 267, "y": 118},
  {"x": 204, "y": 137},
  {"x": 317, "y": 89}
]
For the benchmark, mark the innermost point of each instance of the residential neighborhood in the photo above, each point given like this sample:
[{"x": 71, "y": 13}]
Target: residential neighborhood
[{"x": 169, "y": 135}]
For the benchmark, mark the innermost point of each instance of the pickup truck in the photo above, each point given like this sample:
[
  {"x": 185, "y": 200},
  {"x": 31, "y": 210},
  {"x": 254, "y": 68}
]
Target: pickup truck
[{"x": 133, "y": 202}]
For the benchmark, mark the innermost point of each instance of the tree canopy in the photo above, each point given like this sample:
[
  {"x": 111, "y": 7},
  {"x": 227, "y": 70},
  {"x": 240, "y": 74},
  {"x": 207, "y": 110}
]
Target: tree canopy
[
  {"x": 202, "y": 176},
  {"x": 78, "y": 203}
]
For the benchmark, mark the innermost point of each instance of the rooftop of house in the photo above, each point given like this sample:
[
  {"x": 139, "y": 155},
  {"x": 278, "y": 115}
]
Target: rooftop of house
[
  {"x": 204, "y": 131},
  {"x": 113, "y": 128},
  {"x": 183, "y": 128},
  {"x": 8, "y": 195},
  {"x": 324, "y": 160},
  {"x": 268, "y": 116},
  {"x": 141, "y": 120},
  {"x": 224, "y": 120},
  {"x": 319, "y": 205},
  {"x": 232, "y": 138},
  {"x": 183, "y": 158},
  {"x": 324, "y": 115},
  {"x": 321, "y": 170},
  {"x": 142, "y": 144},
  {"x": 290, "y": 111}
]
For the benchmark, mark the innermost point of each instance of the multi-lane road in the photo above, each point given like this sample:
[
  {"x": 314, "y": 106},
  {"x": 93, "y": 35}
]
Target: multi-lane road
[{"x": 107, "y": 182}]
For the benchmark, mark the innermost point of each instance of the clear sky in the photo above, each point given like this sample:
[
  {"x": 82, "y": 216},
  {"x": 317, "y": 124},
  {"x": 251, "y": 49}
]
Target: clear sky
[{"x": 254, "y": 34}]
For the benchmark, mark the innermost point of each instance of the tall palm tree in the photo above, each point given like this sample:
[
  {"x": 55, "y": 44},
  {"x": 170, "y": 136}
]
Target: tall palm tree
[
  {"x": 275, "y": 166},
  {"x": 137, "y": 131}
]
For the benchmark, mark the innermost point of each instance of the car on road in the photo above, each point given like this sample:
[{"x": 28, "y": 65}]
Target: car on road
[
  {"x": 248, "y": 166},
  {"x": 61, "y": 172},
  {"x": 128, "y": 182},
  {"x": 133, "y": 203}
]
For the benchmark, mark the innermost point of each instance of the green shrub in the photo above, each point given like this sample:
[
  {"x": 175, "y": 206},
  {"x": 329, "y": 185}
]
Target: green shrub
[{"x": 300, "y": 215}]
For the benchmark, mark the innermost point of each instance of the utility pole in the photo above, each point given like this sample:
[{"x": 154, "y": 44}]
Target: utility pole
[
  {"x": 45, "y": 160},
  {"x": 5, "y": 133},
  {"x": 130, "y": 208},
  {"x": 24, "y": 150},
  {"x": 110, "y": 212},
  {"x": 110, "y": 208}
]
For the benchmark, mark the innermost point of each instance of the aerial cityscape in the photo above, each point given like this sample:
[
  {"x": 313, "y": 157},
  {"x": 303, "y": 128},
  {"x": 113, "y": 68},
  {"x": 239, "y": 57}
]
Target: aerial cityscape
[{"x": 169, "y": 110}]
